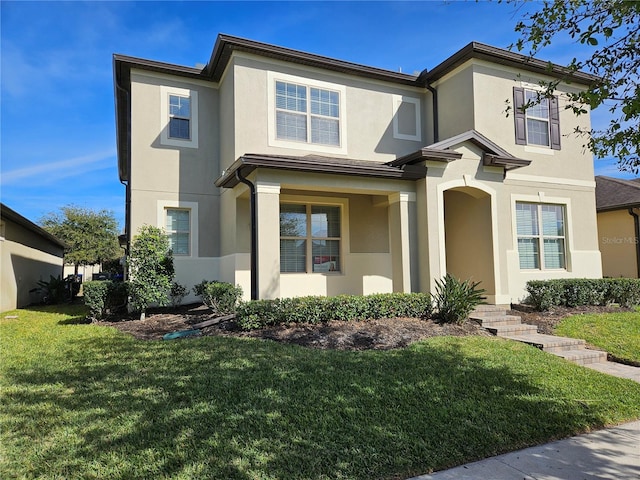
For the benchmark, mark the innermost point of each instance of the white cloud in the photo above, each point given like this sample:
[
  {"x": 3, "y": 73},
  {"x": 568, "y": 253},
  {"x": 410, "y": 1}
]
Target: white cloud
[{"x": 54, "y": 171}]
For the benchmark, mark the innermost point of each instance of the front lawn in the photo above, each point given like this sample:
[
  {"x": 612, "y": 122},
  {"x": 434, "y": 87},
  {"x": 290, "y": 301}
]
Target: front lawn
[
  {"x": 81, "y": 401},
  {"x": 616, "y": 333}
]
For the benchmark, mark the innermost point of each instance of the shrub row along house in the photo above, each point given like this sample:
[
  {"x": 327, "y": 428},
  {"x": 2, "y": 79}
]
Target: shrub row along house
[{"x": 291, "y": 174}]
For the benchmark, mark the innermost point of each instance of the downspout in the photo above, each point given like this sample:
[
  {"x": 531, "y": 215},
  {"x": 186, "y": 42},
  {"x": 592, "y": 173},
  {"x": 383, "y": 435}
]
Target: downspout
[
  {"x": 126, "y": 183},
  {"x": 636, "y": 225},
  {"x": 434, "y": 94},
  {"x": 254, "y": 234}
]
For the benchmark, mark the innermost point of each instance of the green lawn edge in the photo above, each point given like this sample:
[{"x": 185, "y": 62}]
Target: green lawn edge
[
  {"x": 82, "y": 401},
  {"x": 616, "y": 333}
]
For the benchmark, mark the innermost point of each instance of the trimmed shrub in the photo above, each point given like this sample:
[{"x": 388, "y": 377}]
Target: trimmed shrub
[
  {"x": 258, "y": 313},
  {"x": 624, "y": 291},
  {"x": 455, "y": 299},
  {"x": 577, "y": 292},
  {"x": 220, "y": 297},
  {"x": 314, "y": 309},
  {"x": 104, "y": 297},
  {"x": 177, "y": 294},
  {"x": 544, "y": 294},
  {"x": 584, "y": 291}
]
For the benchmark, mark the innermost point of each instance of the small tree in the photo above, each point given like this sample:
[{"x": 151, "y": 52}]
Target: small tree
[
  {"x": 150, "y": 269},
  {"x": 91, "y": 237}
]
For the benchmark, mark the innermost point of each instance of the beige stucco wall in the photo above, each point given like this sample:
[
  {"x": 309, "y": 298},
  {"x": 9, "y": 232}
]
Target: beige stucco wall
[
  {"x": 25, "y": 259},
  {"x": 395, "y": 232},
  {"x": 170, "y": 176},
  {"x": 368, "y": 126},
  {"x": 617, "y": 237}
]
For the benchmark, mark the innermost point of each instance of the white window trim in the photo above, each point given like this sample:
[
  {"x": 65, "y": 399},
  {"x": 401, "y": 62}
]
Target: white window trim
[
  {"x": 165, "y": 139},
  {"x": 343, "y": 203},
  {"x": 273, "y": 141},
  {"x": 162, "y": 207},
  {"x": 397, "y": 101},
  {"x": 540, "y": 199}
]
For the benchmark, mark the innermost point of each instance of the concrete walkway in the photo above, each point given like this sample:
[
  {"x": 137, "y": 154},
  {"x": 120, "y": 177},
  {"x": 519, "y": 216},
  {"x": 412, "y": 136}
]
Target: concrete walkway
[{"x": 612, "y": 453}]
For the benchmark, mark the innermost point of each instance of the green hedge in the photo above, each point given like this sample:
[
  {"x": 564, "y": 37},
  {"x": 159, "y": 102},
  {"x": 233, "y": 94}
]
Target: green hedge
[
  {"x": 104, "y": 296},
  {"x": 312, "y": 309},
  {"x": 575, "y": 292}
]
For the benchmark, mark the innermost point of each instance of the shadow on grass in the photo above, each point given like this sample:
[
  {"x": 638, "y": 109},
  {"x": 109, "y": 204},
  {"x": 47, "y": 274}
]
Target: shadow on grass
[{"x": 245, "y": 409}]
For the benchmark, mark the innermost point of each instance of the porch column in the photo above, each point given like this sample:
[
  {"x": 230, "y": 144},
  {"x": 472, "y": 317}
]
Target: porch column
[
  {"x": 268, "y": 226},
  {"x": 402, "y": 225}
]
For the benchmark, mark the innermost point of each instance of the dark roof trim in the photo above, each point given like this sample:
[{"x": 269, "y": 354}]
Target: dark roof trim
[
  {"x": 160, "y": 67},
  {"x": 317, "y": 164},
  {"x": 15, "y": 217},
  {"x": 504, "y": 57},
  {"x": 426, "y": 153},
  {"x": 508, "y": 163},
  {"x": 474, "y": 137},
  {"x": 226, "y": 44}
]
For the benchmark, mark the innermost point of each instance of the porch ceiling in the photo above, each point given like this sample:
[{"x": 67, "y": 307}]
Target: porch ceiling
[{"x": 319, "y": 164}]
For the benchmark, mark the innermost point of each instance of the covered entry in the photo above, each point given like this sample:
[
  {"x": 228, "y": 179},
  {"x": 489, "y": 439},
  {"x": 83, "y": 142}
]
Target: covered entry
[{"x": 469, "y": 237}]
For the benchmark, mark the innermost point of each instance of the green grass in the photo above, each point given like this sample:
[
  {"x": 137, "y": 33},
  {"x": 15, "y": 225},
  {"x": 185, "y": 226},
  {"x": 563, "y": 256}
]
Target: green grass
[
  {"x": 616, "y": 333},
  {"x": 81, "y": 401}
]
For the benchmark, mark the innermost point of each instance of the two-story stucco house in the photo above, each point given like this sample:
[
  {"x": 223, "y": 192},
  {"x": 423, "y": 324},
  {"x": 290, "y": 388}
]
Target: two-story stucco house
[{"x": 296, "y": 174}]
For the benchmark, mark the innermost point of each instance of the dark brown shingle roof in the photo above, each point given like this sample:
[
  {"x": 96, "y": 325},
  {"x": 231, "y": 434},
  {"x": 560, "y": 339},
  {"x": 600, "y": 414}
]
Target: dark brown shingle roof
[{"x": 616, "y": 193}]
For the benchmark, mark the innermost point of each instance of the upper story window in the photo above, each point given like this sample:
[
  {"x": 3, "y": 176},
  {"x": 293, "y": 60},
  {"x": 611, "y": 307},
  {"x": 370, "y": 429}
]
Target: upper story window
[
  {"x": 179, "y": 117},
  {"x": 539, "y": 123},
  {"x": 306, "y": 114},
  {"x": 541, "y": 236}
]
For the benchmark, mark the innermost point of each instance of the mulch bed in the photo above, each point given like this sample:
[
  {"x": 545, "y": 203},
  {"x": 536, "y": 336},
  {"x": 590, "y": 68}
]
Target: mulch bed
[{"x": 361, "y": 335}]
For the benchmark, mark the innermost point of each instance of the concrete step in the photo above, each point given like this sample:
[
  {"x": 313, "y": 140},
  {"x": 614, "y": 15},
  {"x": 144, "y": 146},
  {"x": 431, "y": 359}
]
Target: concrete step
[
  {"x": 487, "y": 310},
  {"x": 511, "y": 330},
  {"x": 583, "y": 356},
  {"x": 550, "y": 343},
  {"x": 492, "y": 320}
]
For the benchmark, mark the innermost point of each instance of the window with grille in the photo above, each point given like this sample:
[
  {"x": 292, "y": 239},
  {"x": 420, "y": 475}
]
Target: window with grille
[
  {"x": 541, "y": 236},
  {"x": 307, "y": 114},
  {"x": 178, "y": 228},
  {"x": 310, "y": 238},
  {"x": 179, "y": 117}
]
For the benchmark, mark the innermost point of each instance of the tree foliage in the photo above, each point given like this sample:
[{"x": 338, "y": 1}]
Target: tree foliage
[
  {"x": 150, "y": 269},
  {"x": 612, "y": 29},
  {"x": 91, "y": 236}
]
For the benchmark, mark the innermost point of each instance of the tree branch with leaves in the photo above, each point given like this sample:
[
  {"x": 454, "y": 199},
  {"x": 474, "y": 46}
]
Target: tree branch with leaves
[{"x": 612, "y": 29}]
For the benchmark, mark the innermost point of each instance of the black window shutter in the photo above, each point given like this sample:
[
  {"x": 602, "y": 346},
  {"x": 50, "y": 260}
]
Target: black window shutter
[
  {"x": 554, "y": 123},
  {"x": 519, "y": 116}
]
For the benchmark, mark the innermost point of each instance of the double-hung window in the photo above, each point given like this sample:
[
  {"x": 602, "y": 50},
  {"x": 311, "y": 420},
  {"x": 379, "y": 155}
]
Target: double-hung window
[
  {"x": 307, "y": 114},
  {"x": 309, "y": 238},
  {"x": 178, "y": 228},
  {"x": 179, "y": 117},
  {"x": 537, "y": 119},
  {"x": 541, "y": 236}
]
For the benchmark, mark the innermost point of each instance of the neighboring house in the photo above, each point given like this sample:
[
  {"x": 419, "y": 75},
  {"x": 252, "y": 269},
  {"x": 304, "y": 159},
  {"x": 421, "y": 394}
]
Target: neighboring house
[
  {"x": 295, "y": 174},
  {"x": 28, "y": 254},
  {"x": 618, "y": 206}
]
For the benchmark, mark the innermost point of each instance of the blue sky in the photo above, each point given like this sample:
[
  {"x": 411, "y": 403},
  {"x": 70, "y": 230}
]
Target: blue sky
[{"x": 57, "y": 109}]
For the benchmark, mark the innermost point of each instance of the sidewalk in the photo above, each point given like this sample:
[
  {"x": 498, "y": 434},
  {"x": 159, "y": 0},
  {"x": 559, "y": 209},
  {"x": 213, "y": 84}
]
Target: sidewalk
[{"x": 612, "y": 453}]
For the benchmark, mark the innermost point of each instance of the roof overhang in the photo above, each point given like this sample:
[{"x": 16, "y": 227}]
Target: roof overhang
[
  {"x": 317, "y": 164},
  {"x": 15, "y": 217},
  {"x": 508, "y": 58}
]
